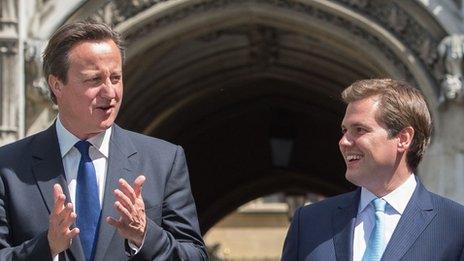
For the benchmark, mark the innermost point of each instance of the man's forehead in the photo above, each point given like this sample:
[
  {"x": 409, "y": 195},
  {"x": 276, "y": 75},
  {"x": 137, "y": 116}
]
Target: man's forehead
[
  {"x": 361, "y": 111},
  {"x": 88, "y": 53},
  {"x": 96, "y": 46}
]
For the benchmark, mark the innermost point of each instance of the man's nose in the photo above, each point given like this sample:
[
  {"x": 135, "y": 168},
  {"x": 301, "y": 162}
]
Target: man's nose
[
  {"x": 345, "y": 141},
  {"x": 108, "y": 89}
]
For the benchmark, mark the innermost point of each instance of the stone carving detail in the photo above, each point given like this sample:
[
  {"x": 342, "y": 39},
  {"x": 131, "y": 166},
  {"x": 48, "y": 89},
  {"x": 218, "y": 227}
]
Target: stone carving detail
[
  {"x": 8, "y": 27},
  {"x": 8, "y": 46},
  {"x": 360, "y": 3},
  {"x": 388, "y": 14},
  {"x": 397, "y": 19},
  {"x": 117, "y": 11},
  {"x": 33, "y": 69},
  {"x": 405, "y": 27},
  {"x": 451, "y": 50},
  {"x": 9, "y": 87},
  {"x": 264, "y": 46}
]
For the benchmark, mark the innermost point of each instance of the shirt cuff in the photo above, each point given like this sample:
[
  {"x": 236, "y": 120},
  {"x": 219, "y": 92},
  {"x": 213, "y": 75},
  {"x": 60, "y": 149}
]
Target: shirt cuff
[{"x": 134, "y": 250}]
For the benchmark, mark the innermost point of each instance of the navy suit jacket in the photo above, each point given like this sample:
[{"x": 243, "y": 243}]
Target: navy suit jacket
[
  {"x": 30, "y": 167},
  {"x": 431, "y": 228}
]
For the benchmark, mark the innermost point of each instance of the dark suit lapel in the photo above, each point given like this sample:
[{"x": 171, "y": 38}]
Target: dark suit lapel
[
  {"x": 48, "y": 170},
  {"x": 418, "y": 214},
  {"x": 121, "y": 164},
  {"x": 343, "y": 224}
]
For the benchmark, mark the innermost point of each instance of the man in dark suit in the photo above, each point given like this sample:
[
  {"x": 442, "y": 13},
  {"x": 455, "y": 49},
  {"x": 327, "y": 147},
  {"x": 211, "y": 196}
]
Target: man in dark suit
[
  {"x": 386, "y": 130},
  {"x": 74, "y": 191}
]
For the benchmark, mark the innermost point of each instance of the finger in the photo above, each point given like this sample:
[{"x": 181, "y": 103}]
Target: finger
[
  {"x": 113, "y": 222},
  {"x": 73, "y": 232},
  {"x": 125, "y": 214},
  {"x": 124, "y": 200},
  {"x": 138, "y": 183},
  {"x": 59, "y": 202},
  {"x": 127, "y": 190},
  {"x": 68, "y": 220},
  {"x": 57, "y": 190},
  {"x": 65, "y": 214}
]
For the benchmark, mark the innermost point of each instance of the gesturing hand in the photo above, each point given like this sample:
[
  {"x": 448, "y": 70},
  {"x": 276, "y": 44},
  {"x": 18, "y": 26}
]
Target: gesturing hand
[
  {"x": 61, "y": 218},
  {"x": 129, "y": 203}
]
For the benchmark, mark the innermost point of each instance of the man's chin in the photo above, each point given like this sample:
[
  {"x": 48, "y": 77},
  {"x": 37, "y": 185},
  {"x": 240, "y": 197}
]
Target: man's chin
[
  {"x": 105, "y": 126},
  {"x": 106, "y": 123},
  {"x": 353, "y": 177}
]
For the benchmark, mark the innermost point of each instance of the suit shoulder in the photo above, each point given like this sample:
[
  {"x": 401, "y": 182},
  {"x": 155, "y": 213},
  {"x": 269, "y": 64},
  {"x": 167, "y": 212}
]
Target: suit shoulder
[
  {"x": 447, "y": 204},
  {"x": 15, "y": 150},
  {"x": 144, "y": 141},
  {"x": 329, "y": 204}
]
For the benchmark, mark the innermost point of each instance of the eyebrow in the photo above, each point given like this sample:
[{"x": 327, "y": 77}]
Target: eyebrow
[{"x": 356, "y": 124}]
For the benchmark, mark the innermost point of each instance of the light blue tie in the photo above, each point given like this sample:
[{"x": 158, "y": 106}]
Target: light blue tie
[
  {"x": 87, "y": 200},
  {"x": 375, "y": 246}
]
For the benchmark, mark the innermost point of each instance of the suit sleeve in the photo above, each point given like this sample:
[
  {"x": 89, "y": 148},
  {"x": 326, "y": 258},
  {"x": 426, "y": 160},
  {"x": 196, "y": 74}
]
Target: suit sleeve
[
  {"x": 461, "y": 258},
  {"x": 290, "y": 251},
  {"x": 179, "y": 236},
  {"x": 36, "y": 248}
]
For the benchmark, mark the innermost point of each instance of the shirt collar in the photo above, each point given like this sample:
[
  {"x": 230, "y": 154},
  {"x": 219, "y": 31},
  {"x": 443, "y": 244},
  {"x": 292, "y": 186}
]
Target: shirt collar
[
  {"x": 398, "y": 199},
  {"x": 66, "y": 139}
]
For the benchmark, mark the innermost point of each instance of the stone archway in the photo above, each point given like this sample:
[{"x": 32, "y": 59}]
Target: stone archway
[{"x": 250, "y": 88}]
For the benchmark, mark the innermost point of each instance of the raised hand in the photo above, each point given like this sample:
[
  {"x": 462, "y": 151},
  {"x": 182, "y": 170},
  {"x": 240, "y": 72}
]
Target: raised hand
[
  {"x": 59, "y": 222},
  {"x": 129, "y": 204}
]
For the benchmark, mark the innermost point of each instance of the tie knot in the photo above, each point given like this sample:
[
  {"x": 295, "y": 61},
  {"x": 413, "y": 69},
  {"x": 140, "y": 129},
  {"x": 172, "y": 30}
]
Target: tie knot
[
  {"x": 83, "y": 147},
  {"x": 379, "y": 204}
]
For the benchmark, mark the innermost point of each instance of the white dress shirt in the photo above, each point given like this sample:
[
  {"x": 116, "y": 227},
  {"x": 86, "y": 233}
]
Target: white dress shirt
[
  {"x": 71, "y": 157},
  {"x": 397, "y": 201}
]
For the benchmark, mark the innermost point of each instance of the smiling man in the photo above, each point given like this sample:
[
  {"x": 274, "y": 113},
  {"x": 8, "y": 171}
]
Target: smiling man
[
  {"x": 391, "y": 216},
  {"x": 74, "y": 191}
]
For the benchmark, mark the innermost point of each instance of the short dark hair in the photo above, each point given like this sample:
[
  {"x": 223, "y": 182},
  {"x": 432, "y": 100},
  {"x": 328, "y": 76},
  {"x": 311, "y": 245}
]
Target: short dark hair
[
  {"x": 55, "y": 56},
  {"x": 401, "y": 106}
]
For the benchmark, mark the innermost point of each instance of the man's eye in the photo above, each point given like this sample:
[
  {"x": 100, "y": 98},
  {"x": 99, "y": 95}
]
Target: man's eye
[
  {"x": 94, "y": 79},
  {"x": 115, "y": 79},
  {"x": 360, "y": 130},
  {"x": 343, "y": 131}
]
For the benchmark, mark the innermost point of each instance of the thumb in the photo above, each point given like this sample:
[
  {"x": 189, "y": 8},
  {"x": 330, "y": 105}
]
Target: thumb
[{"x": 138, "y": 183}]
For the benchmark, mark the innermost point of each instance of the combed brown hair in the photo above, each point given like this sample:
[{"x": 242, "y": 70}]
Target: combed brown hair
[
  {"x": 56, "y": 54},
  {"x": 400, "y": 106}
]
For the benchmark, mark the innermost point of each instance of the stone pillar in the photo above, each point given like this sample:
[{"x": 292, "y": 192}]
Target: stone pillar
[
  {"x": 40, "y": 111},
  {"x": 11, "y": 73},
  {"x": 443, "y": 167}
]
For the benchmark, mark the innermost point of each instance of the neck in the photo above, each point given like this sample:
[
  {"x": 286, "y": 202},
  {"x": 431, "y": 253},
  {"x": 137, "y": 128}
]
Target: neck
[
  {"x": 385, "y": 188},
  {"x": 75, "y": 131}
]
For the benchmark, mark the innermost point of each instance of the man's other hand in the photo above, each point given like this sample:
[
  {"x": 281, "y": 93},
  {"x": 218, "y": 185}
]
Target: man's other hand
[
  {"x": 60, "y": 220},
  {"x": 129, "y": 204}
]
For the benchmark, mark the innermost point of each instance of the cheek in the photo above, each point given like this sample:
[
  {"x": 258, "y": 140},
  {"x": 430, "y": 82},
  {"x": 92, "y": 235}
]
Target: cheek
[{"x": 119, "y": 92}]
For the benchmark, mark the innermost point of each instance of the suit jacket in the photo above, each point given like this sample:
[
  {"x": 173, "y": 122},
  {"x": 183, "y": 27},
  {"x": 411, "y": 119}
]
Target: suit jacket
[
  {"x": 30, "y": 167},
  {"x": 431, "y": 228}
]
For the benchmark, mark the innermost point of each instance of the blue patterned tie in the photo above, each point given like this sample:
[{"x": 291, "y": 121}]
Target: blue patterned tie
[
  {"x": 87, "y": 202},
  {"x": 375, "y": 246}
]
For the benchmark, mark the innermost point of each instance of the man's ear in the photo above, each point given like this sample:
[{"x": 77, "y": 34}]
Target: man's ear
[
  {"x": 55, "y": 84},
  {"x": 405, "y": 137}
]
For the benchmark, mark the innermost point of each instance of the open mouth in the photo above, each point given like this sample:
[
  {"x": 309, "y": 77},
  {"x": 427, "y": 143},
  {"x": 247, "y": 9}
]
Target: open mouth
[
  {"x": 353, "y": 158},
  {"x": 106, "y": 108}
]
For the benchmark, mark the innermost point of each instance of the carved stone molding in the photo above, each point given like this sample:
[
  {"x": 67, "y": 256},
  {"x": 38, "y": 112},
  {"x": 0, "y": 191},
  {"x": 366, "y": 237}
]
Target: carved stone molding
[
  {"x": 388, "y": 14},
  {"x": 10, "y": 88},
  {"x": 117, "y": 11},
  {"x": 264, "y": 46},
  {"x": 8, "y": 46},
  {"x": 8, "y": 27},
  {"x": 399, "y": 22},
  {"x": 451, "y": 50},
  {"x": 33, "y": 69}
]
